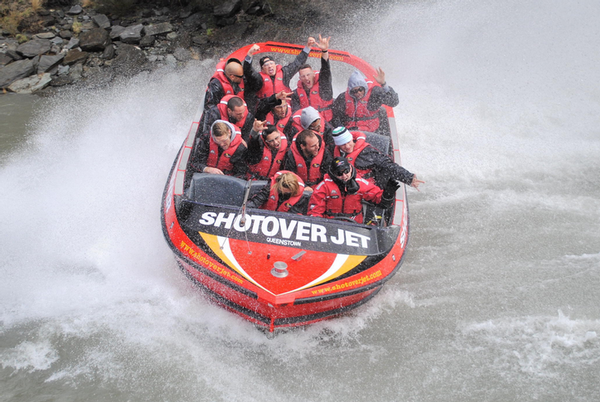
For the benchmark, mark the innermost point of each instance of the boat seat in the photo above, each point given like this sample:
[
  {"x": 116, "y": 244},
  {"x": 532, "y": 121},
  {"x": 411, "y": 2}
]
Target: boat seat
[
  {"x": 381, "y": 142},
  {"x": 216, "y": 189}
]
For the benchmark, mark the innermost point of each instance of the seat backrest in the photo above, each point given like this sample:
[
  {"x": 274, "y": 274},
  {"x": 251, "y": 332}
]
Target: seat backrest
[
  {"x": 381, "y": 142},
  {"x": 216, "y": 189}
]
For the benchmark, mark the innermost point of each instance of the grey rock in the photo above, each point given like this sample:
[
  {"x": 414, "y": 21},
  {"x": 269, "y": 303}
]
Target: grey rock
[
  {"x": 132, "y": 34},
  {"x": 76, "y": 71},
  {"x": 182, "y": 54},
  {"x": 48, "y": 63},
  {"x": 75, "y": 10},
  {"x": 44, "y": 35},
  {"x": 101, "y": 20},
  {"x": 147, "y": 41},
  {"x": 63, "y": 70},
  {"x": 31, "y": 84},
  {"x": 5, "y": 59},
  {"x": 129, "y": 60},
  {"x": 47, "y": 20},
  {"x": 94, "y": 40},
  {"x": 171, "y": 60},
  {"x": 61, "y": 80},
  {"x": 57, "y": 41},
  {"x": 183, "y": 14},
  {"x": 200, "y": 40},
  {"x": 65, "y": 34},
  {"x": 73, "y": 43},
  {"x": 157, "y": 29},
  {"x": 230, "y": 34},
  {"x": 195, "y": 20},
  {"x": 34, "y": 48},
  {"x": 109, "y": 52},
  {"x": 75, "y": 56},
  {"x": 227, "y": 9},
  {"x": 13, "y": 53},
  {"x": 116, "y": 31},
  {"x": 172, "y": 35},
  {"x": 17, "y": 70}
]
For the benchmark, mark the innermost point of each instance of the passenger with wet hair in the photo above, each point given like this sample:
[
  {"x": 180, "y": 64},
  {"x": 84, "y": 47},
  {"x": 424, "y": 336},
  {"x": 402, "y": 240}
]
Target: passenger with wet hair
[
  {"x": 315, "y": 88},
  {"x": 266, "y": 150},
  {"x": 272, "y": 77},
  {"x": 223, "y": 151},
  {"x": 308, "y": 157},
  {"x": 284, "y": 193}
]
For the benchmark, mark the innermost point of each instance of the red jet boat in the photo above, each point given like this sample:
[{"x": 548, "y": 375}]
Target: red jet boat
[{"x": 279, "y": 269}]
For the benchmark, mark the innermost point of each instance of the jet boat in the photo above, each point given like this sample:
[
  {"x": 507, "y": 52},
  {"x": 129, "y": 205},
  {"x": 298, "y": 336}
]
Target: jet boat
[{"x": 277, "y": 269}]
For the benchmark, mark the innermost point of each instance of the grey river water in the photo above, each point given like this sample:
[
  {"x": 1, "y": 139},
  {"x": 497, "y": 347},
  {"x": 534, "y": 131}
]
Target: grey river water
[{"x": 499, "y": 295}]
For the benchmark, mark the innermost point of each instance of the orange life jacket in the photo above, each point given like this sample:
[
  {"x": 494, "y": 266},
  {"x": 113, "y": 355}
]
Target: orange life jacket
[
  {"x": 361, "y": 118},
  {"x": 222, "y": 106},
  {"x": 268, "y": 165},
  {"x": 223, "y": 161},
  {"x": 272, "y": 85}
]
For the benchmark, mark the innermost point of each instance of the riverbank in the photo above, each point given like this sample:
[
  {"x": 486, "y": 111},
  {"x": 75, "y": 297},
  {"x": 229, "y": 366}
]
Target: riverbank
[{"x": 72, "y": 44}]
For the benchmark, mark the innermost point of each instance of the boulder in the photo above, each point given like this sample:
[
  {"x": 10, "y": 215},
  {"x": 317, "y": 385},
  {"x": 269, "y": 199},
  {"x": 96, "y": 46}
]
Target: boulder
[
  {"x": 34, "y": 48},
  {"x": 17, "y": 70},
  {"x": 94, "y": 40},
  {"x": 65, "y": 34},
  {"x": 75, "y": 10},
  {"x": 116, "y": 31},
  {"x": 157, "y": 29},
  {"x": 14, "y": 54},
  {"x": 5, "y": 59},
  {"x": 45, "y": 35},
  {"x": 109, "y": 52},
  {"x": 101, "y": 20},
  {"x": 73, "y": 43},
  {"x": 147, "y": 41},
  {"x": 48, "y": 63},
  {"x": 75, "y": 56},
  {"x": 130, "y": 59},
  {"x": 227, "y": 8},
  {"x": 31, "y": 84},
  {"x": 182, "y": 54},
  {"x": 132, "y": 34}
]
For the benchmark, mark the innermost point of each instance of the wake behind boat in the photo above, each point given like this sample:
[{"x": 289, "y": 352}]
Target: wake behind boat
[{"x": 279, "y": 269}]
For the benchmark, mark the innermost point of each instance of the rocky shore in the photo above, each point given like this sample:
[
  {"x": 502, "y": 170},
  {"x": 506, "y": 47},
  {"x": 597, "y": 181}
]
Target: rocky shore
[{"x": 76, "y": 44}]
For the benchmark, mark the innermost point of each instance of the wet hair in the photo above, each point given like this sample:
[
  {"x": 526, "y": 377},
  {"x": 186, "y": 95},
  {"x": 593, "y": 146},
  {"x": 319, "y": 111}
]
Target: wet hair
[
  {"x": 306, "y": 65},
  {"x": 304, "y": 134},
  {"x": 270, "y": 129},
  {"x": 220, "y": 129},
  {"x": 286, "y": 181},
  {"x": 234, "y": 102}
]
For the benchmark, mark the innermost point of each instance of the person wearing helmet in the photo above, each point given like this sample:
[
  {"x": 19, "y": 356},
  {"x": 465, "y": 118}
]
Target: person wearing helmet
[{"x": 340, "y": 194}]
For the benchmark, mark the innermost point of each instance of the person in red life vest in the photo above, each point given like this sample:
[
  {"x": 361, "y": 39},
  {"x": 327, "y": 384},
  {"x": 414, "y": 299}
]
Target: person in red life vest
[
  {"x": 233, "y": 109},
  {"x": 284, "y": 194},
  {"x": 315, "y": 88},
  {"x": 279, "y": 116},
  {"x": 310, "y": 119},
  {"x": 340, "y": 194},
  {"x": 266, "y": 150},
  {"x": 359, "y": 107},
  {"x": 228, "y": 79},
  {"x": 223, "y": 151},
  {"x": 272, "y": 77},
  {"x": 370, "y": 163},
  {"x": 308, "y": 157}
]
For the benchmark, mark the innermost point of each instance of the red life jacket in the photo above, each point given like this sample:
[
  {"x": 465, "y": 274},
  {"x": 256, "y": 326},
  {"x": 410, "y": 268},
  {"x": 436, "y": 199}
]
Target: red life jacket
[
  {"x": 272, "y": 86},
  {"x": 223, "y": 161},
  {"x": 360, "y": 143},
  {"x": 281, "y": 123},
  {"x": 222, "y": 106},
  {"x": 268, "y": 165},
  {"x": 337, "y": 204},
  {"x": 314, "y": 99},
  {"x": 225, "y": 83},
  {"x": 360, "y": 117},
  {"x": 273, "y": 200},
  {"x": 311, "y": 174},
  {"x": 296, "y": 118}
]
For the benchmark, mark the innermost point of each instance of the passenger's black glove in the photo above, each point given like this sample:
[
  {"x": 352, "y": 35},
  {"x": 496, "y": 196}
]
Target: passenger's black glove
[
  {"x": 352, "y": 186},
  {"x": 389, "y": 193}
]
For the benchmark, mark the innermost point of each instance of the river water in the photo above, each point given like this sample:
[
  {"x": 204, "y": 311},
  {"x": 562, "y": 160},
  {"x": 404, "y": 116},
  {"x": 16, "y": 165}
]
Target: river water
[{"x": 497, "y": 300}]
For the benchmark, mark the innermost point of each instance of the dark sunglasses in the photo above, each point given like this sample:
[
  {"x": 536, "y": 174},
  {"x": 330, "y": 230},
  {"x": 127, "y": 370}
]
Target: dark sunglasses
[
  {"x": 340, "y": 174},
  {"x": 357, "y": 90},
  {"x": 241, "y": 77}
]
